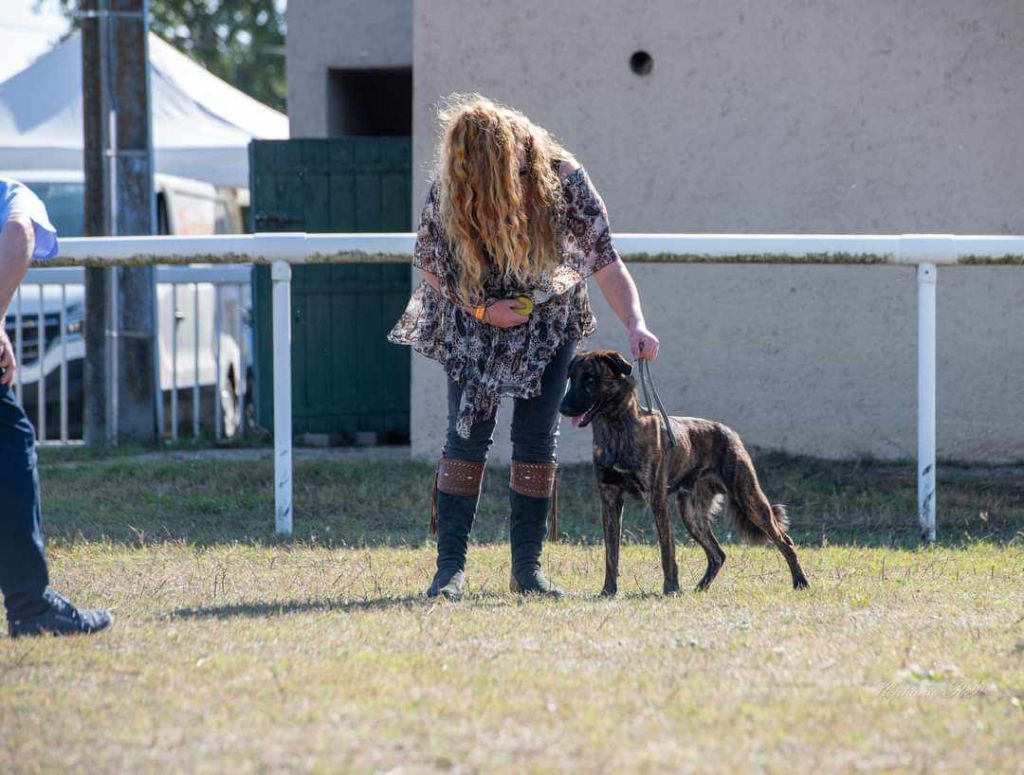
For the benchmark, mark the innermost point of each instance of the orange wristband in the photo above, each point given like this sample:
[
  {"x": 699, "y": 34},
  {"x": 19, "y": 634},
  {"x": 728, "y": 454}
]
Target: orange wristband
[{"x": 479, "y": 312}]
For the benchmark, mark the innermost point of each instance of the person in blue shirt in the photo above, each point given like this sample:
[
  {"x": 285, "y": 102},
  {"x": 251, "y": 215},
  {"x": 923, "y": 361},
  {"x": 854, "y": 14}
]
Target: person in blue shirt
[{"x": 32, "y": 607}]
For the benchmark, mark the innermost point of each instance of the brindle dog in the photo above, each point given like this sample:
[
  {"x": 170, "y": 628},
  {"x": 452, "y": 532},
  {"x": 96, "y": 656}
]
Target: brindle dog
[{"x": 709, "y": 469}]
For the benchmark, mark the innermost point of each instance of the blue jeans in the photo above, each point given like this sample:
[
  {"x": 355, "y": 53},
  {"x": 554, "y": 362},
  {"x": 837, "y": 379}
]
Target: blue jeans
[
  {"x": 23, "y": 573},
  {"x": 534, "y": 420}
]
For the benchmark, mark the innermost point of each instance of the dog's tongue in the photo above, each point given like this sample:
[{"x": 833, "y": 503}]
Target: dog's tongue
[{"x": 577, "y": 420}]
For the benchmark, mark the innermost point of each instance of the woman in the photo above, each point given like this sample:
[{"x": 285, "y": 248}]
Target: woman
[{"x": 510, "y": 231}]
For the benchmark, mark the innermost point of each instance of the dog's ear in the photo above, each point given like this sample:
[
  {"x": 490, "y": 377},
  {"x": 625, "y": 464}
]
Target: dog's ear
[
  {"x": 618, "y": 364},
  {"x": 573, "y": 364}
]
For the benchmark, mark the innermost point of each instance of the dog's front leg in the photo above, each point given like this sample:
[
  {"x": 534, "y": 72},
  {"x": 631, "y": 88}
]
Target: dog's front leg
[
  {"x": 663, "y": 521},
  {"x": 611, "y": 517}
]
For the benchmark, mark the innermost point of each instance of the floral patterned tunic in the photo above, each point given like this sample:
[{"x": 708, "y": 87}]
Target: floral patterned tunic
[{"x": 490, "y": 362}]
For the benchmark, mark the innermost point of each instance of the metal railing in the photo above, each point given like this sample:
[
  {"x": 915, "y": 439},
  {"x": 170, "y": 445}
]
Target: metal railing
[
  {"x": 211, "y": 344},
  {"x": 47, "y": 339},
  {"x": 926, "y": 251},
  {"x": 204, "y": 346}
]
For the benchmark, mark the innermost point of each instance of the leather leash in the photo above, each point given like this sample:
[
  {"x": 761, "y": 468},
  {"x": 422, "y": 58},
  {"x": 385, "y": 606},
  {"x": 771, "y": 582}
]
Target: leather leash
[{"x": 647, "y": 384}]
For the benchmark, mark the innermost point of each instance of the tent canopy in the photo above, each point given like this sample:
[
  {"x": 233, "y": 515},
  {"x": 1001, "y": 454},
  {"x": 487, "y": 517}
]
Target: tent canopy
[
  {"x": 201, "y": 125},
  {"x": 28, "y": 28}
]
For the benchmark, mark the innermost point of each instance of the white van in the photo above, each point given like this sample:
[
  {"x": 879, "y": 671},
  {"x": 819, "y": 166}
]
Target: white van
[{"x": 184, "y": 206}]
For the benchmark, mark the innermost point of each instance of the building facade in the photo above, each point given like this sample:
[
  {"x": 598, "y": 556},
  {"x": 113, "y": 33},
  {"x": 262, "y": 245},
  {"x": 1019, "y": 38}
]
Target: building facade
[
  {"x": 735, "y": 116},
  {"x": 349, "y": 67}
]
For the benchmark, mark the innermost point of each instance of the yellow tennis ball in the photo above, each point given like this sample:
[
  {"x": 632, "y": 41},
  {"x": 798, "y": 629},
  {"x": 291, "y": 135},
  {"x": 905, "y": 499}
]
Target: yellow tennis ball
[{"x": 526, "y": 305}]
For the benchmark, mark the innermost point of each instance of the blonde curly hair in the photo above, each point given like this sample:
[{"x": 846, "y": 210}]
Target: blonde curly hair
[{"x": 500, "y": 194}]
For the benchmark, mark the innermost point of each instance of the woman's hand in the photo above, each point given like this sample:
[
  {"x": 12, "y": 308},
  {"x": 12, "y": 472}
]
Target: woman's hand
[
  {"x": 619, "y": 289},
  {"x": 643, "y": 344},
  {"x": 8, "y": 365},
  {"x": 503, "y": 314}
]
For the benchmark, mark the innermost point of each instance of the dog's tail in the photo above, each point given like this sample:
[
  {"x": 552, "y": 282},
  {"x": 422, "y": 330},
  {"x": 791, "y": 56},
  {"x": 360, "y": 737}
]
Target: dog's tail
[
  {"x": 781, "y": 516},
  {"x": 752, "y": 514},
  {"x": 749, "y": 531}
]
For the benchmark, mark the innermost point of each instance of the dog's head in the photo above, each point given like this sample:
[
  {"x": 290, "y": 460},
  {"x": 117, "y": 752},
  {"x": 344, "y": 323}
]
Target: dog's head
[{"x": 598, "y": 381}]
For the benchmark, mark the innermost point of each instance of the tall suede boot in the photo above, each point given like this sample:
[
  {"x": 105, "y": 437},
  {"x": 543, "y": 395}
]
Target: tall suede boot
[
  {"x": 531, "y": 494},
  {"x": 456, "y": 493}
]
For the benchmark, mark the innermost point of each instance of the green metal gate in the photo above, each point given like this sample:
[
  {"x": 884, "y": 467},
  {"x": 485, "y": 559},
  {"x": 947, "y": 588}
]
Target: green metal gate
[{"x": 346, "y": 377}]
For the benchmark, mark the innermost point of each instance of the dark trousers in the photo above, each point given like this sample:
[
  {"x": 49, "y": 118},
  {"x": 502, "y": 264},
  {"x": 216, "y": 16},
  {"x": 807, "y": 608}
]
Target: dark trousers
[
  {"x": 534, "y": 420},
  {"x": 23, "y": 574}
]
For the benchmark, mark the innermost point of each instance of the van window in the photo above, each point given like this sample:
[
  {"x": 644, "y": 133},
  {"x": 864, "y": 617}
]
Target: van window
[
  {"x": 65, "y": 204},
  {"x": 222, "y": 220}
]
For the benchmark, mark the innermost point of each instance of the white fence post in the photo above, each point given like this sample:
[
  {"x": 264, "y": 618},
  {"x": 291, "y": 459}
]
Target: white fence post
[
  {"x": 926, "y": 278},
  {"x": 281, "y": 281}
]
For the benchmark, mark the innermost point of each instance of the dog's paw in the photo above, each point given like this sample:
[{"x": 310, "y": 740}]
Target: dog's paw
[
  {"x": 670, "y": 588},
  {"x": 801, "y": 583},
  {"x": 609, "y": 592}
]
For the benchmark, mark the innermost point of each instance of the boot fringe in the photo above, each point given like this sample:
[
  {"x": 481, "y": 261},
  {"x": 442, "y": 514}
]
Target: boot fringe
[
  {"x": 553, "y": 522},
  {"x": 454, "y": 477},
  {"x": 433, "y": 502}
]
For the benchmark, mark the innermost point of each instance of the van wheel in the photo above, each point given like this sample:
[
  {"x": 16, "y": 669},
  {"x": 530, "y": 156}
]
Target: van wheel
[{"x": 230, "y": 406}]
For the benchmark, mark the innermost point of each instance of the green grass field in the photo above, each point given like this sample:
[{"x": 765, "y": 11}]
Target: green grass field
[{"x": 235, "y": 652}]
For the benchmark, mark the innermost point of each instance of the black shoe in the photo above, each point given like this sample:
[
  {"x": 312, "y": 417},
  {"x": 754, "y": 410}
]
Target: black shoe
[
  {"x": 448, "y": 586},
  {"x": 61, "y": 618},
  {"x": 526, "y": 530},
  {"x": 454, "y": 521},
  {"x": 535, "y": 583}
]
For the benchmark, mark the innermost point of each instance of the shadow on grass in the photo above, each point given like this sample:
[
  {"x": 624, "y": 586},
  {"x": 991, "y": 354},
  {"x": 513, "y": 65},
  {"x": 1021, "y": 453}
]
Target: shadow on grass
[
  {"x": 259, "y": 610},
  {"x": 387, "y": 503},
  {"x": 265, "y": 609}
]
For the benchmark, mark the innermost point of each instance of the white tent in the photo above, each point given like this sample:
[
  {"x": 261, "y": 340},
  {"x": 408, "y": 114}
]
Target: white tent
[
  {"x": 28, "y": 28},
  {"x": 201, "y": 125}
]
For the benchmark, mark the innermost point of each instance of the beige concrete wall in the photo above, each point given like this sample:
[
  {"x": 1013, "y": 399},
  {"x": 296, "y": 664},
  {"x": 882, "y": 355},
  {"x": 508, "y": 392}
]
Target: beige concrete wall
[
  {"x": 326, "y": 34},
  {"x": 789, "y": 116},
  {"x": 817, "y": 360},
  {"x": 786, "y": 116}
]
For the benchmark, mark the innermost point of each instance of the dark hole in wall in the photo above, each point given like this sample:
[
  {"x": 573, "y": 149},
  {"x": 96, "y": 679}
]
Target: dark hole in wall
[
  {"x": 641, "y": 62},
  {"x": 370, "y": 102}
]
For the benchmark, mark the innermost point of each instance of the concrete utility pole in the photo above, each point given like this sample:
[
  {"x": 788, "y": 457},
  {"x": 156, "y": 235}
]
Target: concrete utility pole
[{"x": 121, "y": 389}]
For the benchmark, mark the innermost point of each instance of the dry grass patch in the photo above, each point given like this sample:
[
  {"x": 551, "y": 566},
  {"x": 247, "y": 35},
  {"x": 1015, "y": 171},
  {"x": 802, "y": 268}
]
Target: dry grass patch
[{"x": 240, "y": 654}]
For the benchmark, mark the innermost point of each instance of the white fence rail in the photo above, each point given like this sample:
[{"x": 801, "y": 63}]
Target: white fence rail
[
  {"x": 203, "y": 340},
  {"x": 927, "y": 252}
]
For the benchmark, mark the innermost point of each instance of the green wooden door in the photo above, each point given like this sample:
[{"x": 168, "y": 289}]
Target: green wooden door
[{"x": 346, "y": 376}]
